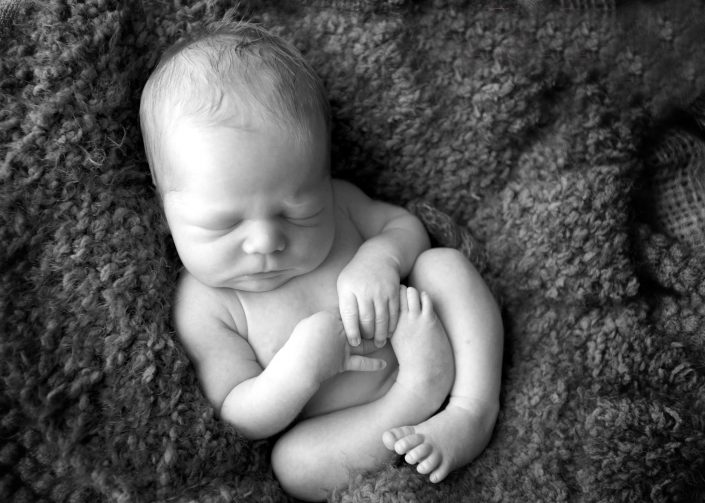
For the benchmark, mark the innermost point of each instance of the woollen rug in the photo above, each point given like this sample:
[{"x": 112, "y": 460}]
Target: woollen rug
[{"x": 559, "y": 144}]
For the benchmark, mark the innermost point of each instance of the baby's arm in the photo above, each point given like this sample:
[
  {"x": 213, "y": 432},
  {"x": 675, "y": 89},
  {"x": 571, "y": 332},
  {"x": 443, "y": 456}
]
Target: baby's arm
[
  {"x": 368, "y": 287},
  {"x": 259, "y": 402}
]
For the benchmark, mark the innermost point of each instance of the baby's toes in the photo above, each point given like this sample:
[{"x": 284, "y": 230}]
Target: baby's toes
[
  {"x": 403, "y": 300},
  {"x": 413, "y": 300},
  {"x": 430, "y": 463},
  {"x": 391, "y": 437},
  {"x": 418, "y": 453},
  {"x": 404, "y": 445},
  {"x": 439, "y": 474},
  {"x": 426, "y": 305},
  {"x": 407, "y": 439}
]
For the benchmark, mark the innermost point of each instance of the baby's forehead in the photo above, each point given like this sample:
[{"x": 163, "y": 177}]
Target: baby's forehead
[
  {"x": 235, "y": 136},
  {"x": 291, "y": 180}
]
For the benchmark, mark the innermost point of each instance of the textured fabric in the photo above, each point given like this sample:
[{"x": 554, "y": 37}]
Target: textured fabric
[
  {"x": 8, "y": 11},
  {"x": 677, "y": 167},
  {"x": 524, "y": 133}
]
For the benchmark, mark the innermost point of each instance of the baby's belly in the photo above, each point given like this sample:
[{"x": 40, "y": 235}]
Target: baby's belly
[{"x": 353, "y": 388}]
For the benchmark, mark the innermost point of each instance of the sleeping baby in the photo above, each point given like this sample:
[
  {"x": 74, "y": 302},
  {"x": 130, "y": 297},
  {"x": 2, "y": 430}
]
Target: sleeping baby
[{"x": 309, "y": 310}]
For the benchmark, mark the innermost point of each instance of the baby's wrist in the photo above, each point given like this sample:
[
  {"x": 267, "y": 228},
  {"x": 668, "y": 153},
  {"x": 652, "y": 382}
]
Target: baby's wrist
[
  {"x": 379, "y": 253},
  {"x": 297, "y": 353}
]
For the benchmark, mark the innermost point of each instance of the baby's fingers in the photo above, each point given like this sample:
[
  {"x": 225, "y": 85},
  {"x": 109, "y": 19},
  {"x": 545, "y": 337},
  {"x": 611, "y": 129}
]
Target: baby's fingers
[
  {"x": 364, "y": 364},
  {"x": 365, "y": 348},
  {"x": 381, "y": 333},
  {"x": 394, "y": 308},
  {"x": 349, "y": 316},
  {"x": 367, "y": 319},
  {"x": 381, "y": 327}
]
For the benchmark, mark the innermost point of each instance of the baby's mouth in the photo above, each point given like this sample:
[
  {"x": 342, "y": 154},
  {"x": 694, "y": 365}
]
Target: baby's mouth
[{"x": 264, "y": 274}]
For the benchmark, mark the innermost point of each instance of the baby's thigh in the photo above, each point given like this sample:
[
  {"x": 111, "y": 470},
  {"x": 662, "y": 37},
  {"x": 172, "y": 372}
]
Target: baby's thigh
[
  {"x": 319, "y": 454},
  {"x": 295, "y": 463},
  {"x": 349, "y": 389}
]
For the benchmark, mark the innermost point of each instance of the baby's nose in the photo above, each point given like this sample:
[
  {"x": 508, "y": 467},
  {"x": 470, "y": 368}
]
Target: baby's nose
[{"x": 263, "y": 237}]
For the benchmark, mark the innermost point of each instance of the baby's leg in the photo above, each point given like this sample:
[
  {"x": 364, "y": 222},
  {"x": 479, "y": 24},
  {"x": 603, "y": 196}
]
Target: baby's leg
[
  {"x": 319, "y": 454},
  {"x": 456, "y": 435}
]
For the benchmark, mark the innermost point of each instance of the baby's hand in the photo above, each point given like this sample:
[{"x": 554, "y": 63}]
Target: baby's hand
[
  {"x": 368, "y": 292},
  {"x": 325, "y": 346}
]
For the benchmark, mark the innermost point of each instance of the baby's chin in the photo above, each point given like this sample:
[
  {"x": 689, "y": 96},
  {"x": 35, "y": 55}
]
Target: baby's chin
[{"x": 264, "y": 282}]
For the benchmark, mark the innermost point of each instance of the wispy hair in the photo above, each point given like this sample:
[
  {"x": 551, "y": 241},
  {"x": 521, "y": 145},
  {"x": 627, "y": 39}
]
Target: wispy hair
[{"x": 226, "y": 75}]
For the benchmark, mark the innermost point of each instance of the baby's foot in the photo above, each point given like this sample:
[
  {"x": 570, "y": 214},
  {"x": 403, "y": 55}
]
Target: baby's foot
[
  {"x": 422, "y": 348},
  {"x": 450, "y": 439}
]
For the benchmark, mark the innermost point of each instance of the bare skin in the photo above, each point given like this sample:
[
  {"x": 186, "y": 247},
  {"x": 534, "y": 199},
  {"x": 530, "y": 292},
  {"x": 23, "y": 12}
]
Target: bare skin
[
  {"x": 330, "y": 446},
  {"x": 290, "y": 304},
  {"x": 421, "y": 346},
  {"x": 442, "y": 443},
  {"x": 456, "y": 435},
  {"x": 262, "y": 228}
]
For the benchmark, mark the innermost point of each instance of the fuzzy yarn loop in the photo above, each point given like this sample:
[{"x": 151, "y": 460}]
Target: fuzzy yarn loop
[
  {"x": 444, "y": 232},
  {"x": 8, "y": 11}
]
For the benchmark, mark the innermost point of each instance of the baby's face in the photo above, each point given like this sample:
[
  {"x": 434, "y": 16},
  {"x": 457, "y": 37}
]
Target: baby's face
[{"x": 252, "y": 209}]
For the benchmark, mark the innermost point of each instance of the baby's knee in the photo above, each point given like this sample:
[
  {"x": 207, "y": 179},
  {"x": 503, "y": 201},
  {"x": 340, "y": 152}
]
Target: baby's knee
[
  {"x": 295, "y": 470},
  {"x": 437, "y": 265}
]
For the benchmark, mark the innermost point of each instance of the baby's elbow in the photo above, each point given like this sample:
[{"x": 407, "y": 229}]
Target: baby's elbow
[
  {"x": 248, "y": 426},
  {"x": 251, "y": 433}
]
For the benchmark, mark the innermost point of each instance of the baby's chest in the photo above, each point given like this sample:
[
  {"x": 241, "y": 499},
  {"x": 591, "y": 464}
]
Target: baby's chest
[{"x": 272, "y": 318}]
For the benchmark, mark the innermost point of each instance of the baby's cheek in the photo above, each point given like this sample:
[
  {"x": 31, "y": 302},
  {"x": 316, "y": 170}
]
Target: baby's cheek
[{"x": 207, "y": 265}]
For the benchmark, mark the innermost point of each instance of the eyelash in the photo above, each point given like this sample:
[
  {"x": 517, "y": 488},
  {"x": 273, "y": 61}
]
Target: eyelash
[
  {"x": 227, "y": 227},
  {"x": 303, "y": 219},
  {"x": 300, "y": 221}
]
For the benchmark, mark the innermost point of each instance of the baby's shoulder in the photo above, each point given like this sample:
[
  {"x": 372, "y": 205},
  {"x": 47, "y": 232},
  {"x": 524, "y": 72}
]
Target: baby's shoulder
[
  {"x": 346, "y": 192},
  {"x": 351, "y": 199},
  {"x": 197, "y": 306}
]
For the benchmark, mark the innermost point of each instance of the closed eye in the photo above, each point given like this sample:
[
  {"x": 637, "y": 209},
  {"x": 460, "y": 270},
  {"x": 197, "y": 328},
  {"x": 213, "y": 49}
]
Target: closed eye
[
  {"x": 222, "y": 225},
  {"x": 304, "y": 220}
]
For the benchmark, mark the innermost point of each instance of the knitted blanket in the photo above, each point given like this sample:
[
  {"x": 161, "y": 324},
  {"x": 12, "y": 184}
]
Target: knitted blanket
[{"x": 559, "y": 143}]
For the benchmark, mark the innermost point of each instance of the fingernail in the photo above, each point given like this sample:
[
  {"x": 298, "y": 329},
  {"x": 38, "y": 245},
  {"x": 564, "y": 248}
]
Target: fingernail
[{"x": 380, "y": 344}]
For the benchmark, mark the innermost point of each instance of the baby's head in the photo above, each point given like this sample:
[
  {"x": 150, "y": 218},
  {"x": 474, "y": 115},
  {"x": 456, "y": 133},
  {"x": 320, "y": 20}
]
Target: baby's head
[
  {"x": 232, "y": 75},
  {"x": 236, "y": 130}
]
